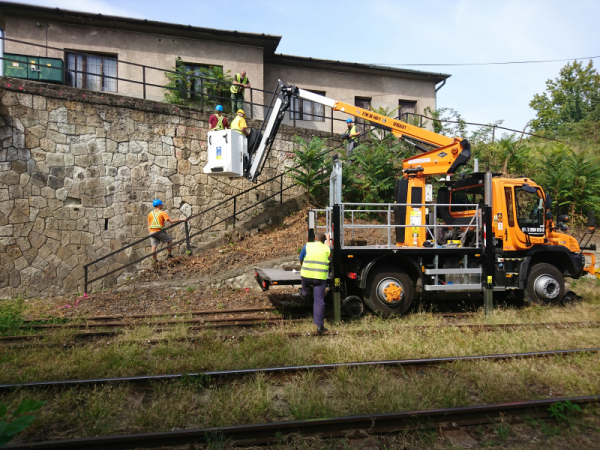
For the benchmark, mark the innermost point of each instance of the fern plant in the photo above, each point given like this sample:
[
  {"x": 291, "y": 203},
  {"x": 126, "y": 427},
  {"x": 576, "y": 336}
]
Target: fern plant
[{"x": 314, "y": 167}]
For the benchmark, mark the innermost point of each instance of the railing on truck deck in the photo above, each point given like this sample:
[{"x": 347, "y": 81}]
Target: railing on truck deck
[{"x": 358, "y": 217}]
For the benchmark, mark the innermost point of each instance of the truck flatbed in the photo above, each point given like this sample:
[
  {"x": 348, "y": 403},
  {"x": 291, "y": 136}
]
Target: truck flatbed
[{"x": 277, "y": 277}]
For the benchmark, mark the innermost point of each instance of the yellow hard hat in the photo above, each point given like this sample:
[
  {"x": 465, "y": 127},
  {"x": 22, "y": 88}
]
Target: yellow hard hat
[{"x": 241, "y": 111}]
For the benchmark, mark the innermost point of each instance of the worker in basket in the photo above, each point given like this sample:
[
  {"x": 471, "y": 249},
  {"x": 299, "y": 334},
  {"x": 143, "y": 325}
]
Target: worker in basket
[
  {"x": 156, "y": 225},
  {"x": 314, "y": 258},
  {"x": 239, "y": 123},
  {"x": 218, "y": 121}
]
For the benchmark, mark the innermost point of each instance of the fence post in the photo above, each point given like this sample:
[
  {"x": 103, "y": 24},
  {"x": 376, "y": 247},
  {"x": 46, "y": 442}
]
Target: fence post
[
  {"x": 201, "y": 94},
  {"x": 234, "y": 209},
  {"x": 332, "y": 121},
  {"x": 187, "y": 237},
  {"x": 281, "y": 189},
  {"x": 85, "y": 278},
  {"x": 251, "y": 104},
  {"x": 144, "y": 80}
]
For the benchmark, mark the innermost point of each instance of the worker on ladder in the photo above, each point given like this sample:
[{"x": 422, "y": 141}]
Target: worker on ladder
[
  {"x": 352, "y": 135},
  {"x": 218, "y": 121},
  {"x": 314, "y": 258},
  {"x": 239, "y": 123}
]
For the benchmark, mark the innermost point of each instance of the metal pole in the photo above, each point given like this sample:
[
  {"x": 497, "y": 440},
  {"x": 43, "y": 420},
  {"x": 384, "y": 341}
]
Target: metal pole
[
  {"x": 337, "y": 285},
  {"x": 234, "y": 209},
  {"x": 144, "y": 80},
  {"x": 201, "y": 94},
  {"x": 332, "y": 121},
  {"x": 187, "y": 238},
  {"x": 251, "y": 104},
  {"x": 85, "y": 278},
  {"x": 489, "y": 246}
]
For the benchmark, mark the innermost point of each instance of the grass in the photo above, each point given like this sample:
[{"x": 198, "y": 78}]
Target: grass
[
  {"x": 101, "y": 410},
  {"x": 11, "y": 316}
]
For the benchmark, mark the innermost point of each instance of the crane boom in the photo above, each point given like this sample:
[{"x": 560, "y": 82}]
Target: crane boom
[{"x": 448, "y": 153}]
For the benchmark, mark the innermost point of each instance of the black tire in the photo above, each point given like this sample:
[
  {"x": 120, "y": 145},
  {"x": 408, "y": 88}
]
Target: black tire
[
  {"x": 385, "y": 277},
  {"x": 545, "y": 285}
]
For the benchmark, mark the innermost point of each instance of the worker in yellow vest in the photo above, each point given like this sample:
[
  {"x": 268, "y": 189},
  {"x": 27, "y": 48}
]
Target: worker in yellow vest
[
  {"x": 352, "y": 135},
  {"x": 240, "y": 81},
  {"x": 218, "y": 121},
  {"x": 156, "y": 225},
  {"x": 239, "y": 123},
  {"x": 314, "y": 258}
]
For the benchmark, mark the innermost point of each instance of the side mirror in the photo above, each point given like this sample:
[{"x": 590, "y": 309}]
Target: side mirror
[
  {"x": 563, "y": 219},
  {"x": 591, "y": 223},
  {"x": 528, "y": 188},
  {"x": 549, "y": 215},
  {"x": 548, "y": 201}
]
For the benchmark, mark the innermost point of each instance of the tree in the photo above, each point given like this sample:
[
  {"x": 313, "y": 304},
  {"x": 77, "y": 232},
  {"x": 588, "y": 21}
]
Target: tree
[
  {"x": 573, "y": 97},
  {"x": 313, "y": 168}
]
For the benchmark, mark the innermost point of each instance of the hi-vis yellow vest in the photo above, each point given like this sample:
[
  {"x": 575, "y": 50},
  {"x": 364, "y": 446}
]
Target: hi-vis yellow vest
[
  {"x": 316, "y": 261},
  {"x": 219, "y": 126},
  {"x": 234, "y": 87},
  {"x": 235, "y": 125},
  {"x": 155, "y": 223},
  {"x": 352, "y": 131}
]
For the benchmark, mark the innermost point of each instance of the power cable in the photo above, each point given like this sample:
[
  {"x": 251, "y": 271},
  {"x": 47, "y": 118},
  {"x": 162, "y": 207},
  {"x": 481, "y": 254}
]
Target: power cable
[{"x": 491, "y": 63}]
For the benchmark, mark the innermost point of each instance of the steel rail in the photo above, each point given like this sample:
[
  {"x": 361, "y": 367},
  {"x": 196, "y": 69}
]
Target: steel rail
[
  {"x": 292, "y": 369},
  {"x": 265, "y": 433},
  {"x": 265, "y": 321}
]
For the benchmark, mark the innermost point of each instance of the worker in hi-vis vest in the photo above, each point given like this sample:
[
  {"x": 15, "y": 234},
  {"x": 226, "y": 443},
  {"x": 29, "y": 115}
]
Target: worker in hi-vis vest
[
  {"x": 240, "y": 81},
  {"x": 314, "y": 258},
  {"x": 218, "y": 121},
  {"x": 156, "y": 225},
  {"x": 239, "y": 123},
  {"x": 352, "y": 135}
]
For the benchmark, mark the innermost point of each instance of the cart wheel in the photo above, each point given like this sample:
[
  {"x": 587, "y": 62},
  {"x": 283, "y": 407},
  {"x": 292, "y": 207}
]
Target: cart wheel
[
  {"x": 545, "y": 285},
  {"x": 353, "y": 306},
  {"x": 389, "y": 291}
]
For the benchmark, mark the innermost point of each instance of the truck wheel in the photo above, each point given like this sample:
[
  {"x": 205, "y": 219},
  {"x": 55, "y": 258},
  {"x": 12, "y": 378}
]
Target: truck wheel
[
  {"x": 545, "y": 285},
  {"x": 389, "y": 291}
]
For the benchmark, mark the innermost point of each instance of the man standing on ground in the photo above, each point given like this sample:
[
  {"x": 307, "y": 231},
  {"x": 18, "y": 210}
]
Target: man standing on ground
[
  {"x": 352, "y": 135},
  {"x": 218, "y": 121},
  {"x": 156, "y": 223},
  {"x": 240, "y": 81},
  {"x": 239, "y": 123},
  {"x": 314, "y": 258}
]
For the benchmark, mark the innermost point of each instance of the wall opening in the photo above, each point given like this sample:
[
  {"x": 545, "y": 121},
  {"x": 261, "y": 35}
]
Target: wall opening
[{"x": 106, "y": 224}]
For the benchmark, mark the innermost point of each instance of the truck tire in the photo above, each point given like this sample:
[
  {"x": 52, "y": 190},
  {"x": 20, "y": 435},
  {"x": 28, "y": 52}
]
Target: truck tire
[
  {"x": 545, "y": 285},
  {"x": 389, "y": 291}
]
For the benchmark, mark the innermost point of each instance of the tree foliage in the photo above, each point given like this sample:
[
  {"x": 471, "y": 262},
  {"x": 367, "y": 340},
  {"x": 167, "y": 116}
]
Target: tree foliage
[
  {"x": 573, "y": 97},
  {"x": 15, "y": 422},
  {"x": 314, "y": 167}
]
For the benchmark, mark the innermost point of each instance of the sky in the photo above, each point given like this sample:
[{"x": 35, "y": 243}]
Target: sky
[{"x": 399, "y": 32}]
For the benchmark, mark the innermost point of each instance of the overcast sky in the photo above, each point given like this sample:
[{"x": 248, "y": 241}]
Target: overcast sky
[{"x": 396, "y": 32}]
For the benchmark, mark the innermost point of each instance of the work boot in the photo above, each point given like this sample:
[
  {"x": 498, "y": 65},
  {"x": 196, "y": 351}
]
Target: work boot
[
  {"x": 321, "y": 329},
  {"x": 169, "y": 256}
]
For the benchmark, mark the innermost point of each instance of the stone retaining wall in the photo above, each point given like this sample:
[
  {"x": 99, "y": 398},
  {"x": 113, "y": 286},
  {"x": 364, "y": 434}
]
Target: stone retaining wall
[{"x": 78, "y": 172}]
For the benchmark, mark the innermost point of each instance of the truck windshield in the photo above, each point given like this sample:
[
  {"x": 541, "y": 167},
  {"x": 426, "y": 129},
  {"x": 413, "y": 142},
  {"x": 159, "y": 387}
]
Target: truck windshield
[{"x": 530, "y": 211}]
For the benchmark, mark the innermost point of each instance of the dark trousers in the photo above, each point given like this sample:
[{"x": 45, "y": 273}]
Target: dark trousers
[
  {"x": 319, "y": 298},
  {"x": 237, "y": 102}
]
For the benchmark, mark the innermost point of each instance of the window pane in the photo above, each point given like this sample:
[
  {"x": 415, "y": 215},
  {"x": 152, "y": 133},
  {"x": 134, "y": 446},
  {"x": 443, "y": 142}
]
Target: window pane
[
  {"x": 94, "y": 65},
  {"x": 530, "y": 211},
  {"x": 74, "y": 66},
  {"x": 109, "y": 68},
  {"x": 307, "y": 110},
  {"x": 319, "y": 110}
]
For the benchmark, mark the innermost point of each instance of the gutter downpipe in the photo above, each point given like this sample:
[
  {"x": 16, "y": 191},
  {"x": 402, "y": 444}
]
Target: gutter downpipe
[{"x": 437, "y": 89}]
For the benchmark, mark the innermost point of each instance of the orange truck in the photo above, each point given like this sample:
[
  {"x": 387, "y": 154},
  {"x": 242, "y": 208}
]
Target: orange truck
[{"x": 481, "y": 233}]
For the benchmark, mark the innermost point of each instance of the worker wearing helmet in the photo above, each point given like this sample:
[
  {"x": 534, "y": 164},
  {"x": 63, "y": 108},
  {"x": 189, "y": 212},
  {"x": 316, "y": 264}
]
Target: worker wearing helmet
[
  {"x": 156, "y": 225},
  {"x": 240, "y": 81},
  {"x": 314, "y": 258},
  {"x": 352, "y": 135},
  {"x": 239, "y": 123},
  {"x": 218, "y": 121}
]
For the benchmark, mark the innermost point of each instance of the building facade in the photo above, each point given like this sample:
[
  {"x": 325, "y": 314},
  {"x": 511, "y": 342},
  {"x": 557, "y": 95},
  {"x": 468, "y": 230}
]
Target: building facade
[{"x": 130, "y": 57}]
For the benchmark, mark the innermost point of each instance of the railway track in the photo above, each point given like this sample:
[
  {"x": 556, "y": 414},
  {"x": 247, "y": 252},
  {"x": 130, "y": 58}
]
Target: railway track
[
  {"x": 294, "y": 369},
  {"x": 265, "y": 433},
  {"x": 241, "y": 322}
]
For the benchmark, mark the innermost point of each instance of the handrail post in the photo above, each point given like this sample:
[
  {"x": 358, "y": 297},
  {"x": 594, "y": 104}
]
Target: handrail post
[
  {"x": 85, "y": 278},
  {"x": 281, "y": 189},
  {"x": 144, "y": 80},
  {"x": 332, "y": 121},
  {"x": 251, "y": 104},
  {"x": 202, "y": 94},
  {"x": 234, "y": 209},
  {"x": 187, "y": 237}
]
